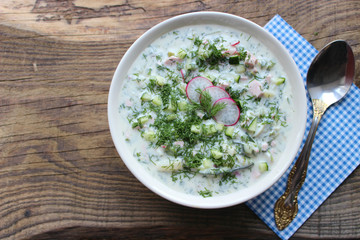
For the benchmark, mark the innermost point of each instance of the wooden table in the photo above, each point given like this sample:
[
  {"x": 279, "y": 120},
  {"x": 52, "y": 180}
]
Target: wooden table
[{"x": 60, "y": 175}]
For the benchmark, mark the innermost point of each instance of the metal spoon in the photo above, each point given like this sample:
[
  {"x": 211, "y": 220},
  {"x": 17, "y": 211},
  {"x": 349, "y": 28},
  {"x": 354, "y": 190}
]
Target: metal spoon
[
  {"x": 328, "y": 80},
  {"x": 219, "y": 171}
]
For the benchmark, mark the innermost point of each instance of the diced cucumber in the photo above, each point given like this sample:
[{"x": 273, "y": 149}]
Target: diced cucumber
[
  {"x": 182, "y": 87},
  {"x": 189, "y": 65},
  {"x": 195, "y": 128},
  {"x": 270, "y": 65},
  {"x": 146, "y": 97},
  {"x": 181, "y": 54},
  {"x": 216, "y": 153},
  {"x": 203, "y": 53},
  {"x": 157, "y": 101},
  {"x": 250, "y": 147},
  {"x": 259, "y": 129},
  {"x": 269, "y": 156},
  {"x": 253, "y": 125},
  {"x": 210, "y": 129},
  {"x": 171, "y": 107},
  {"x": 220, "y": 127},
  {"x": 182, "y": 106},
  {"x": 231, "y": 150},
  {"x": 171, "y": 117},
  {"x": 212, "y": 78},
  {"x": 240, "y": 68},
  {"x": 268, "y": 93},
  {"x": 230, "y": 131},
  {"x": 160, "y": 81},
  {"x": 279, "y": 80},
  {"x": 149, "y": 135},
  {"x": 143, "y": 119},
  {"x": 234, "y": 60},
  {"x": 263, "y": 167},
  {"x": 207, "y": 163},
  {"x": 170, "y": 54},
  {"x": 237, "y": 78}
]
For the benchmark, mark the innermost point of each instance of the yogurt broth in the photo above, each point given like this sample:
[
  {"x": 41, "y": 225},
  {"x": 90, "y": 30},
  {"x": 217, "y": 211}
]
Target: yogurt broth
[{"x": 206, "y": 109}]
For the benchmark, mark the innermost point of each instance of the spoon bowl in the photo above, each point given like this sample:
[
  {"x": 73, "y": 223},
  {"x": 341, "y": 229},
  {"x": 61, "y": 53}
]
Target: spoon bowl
[
  {"x": 329, "y": 78},
  {"x": 331, "y": 73}
]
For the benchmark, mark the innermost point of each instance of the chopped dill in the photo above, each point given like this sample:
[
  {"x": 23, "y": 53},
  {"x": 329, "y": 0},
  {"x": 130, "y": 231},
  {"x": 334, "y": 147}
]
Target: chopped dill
[
  {"x": 207, "y": 106},
  {"x": 242, "y": 53},
  {"x": 151, "y": 85},
  {"x": 165, "y": 93},
  {"x": 197, "y": 41},
  {"x": 194, "y": 161},
  {"x": 227, "y": 178},
  {"x": 205, "y": 193},
  {"x": 182, "y": 174}
]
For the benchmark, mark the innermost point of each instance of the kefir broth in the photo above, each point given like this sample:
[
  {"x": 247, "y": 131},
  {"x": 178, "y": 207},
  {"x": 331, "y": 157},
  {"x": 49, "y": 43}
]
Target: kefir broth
[{"x": 154, "y": 106}]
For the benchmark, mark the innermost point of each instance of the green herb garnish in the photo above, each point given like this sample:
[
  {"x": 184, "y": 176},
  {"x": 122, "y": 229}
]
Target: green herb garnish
[
  {"x": 207, "y": 106},
  {"x": 206, "y": 193}
]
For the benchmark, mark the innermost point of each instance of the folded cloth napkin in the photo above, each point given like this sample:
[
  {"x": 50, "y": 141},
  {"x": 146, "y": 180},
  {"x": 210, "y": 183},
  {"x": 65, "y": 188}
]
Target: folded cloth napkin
[{"x": 335, "y": 151}]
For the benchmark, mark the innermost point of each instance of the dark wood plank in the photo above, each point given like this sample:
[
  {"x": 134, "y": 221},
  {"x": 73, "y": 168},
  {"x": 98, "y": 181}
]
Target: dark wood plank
[{"x": 60, "y": 175}]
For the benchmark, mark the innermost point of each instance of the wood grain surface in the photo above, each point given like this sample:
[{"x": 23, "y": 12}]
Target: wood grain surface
[{"x": 60, "y": 175}]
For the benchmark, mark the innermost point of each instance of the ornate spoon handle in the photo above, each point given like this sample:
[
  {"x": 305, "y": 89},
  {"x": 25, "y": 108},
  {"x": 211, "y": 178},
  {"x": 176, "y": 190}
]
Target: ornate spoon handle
[{"x": 286, "y": 207}]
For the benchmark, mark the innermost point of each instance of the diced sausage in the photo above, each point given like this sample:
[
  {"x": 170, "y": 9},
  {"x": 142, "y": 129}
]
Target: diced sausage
[{"x": 255, "y": 88}]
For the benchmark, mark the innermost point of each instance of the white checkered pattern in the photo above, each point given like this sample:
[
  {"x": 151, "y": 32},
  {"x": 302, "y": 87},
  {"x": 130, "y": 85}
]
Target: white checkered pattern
[{"x": 336, "y": 148}]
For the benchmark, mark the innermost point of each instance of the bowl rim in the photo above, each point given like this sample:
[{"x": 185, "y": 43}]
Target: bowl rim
[{"x": 160, "y": 188}]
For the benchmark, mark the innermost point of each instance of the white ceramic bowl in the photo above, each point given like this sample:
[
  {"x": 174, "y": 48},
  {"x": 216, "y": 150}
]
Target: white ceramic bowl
[{"x": 295, "y": 136}]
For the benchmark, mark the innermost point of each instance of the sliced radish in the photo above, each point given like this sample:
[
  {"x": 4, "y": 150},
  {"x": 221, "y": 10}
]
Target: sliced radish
[
  {"x": 216, "y": 93},
  {"x": 234, "y": 44},
  {"x": 193, "y": 85},
  {"x": 182, "y": 72},
  {"x": 229, "y": 115}
]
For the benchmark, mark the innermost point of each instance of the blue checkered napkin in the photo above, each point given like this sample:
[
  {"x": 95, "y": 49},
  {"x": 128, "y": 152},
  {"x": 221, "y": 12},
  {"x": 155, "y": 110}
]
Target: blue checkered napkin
[{"x": 335, "y": 151}]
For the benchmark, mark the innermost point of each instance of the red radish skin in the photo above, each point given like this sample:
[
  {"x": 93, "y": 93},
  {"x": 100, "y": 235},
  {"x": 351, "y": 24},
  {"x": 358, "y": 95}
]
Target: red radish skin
[
  {"x": 182, "y": 74},
  {"x": 232, "y": 51},
  {"x": 196, "y": 83},
  {"x": 234, "y": 44},
  {"x": 216, "y": 93},
  {"x": 230, "y": 115}
]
